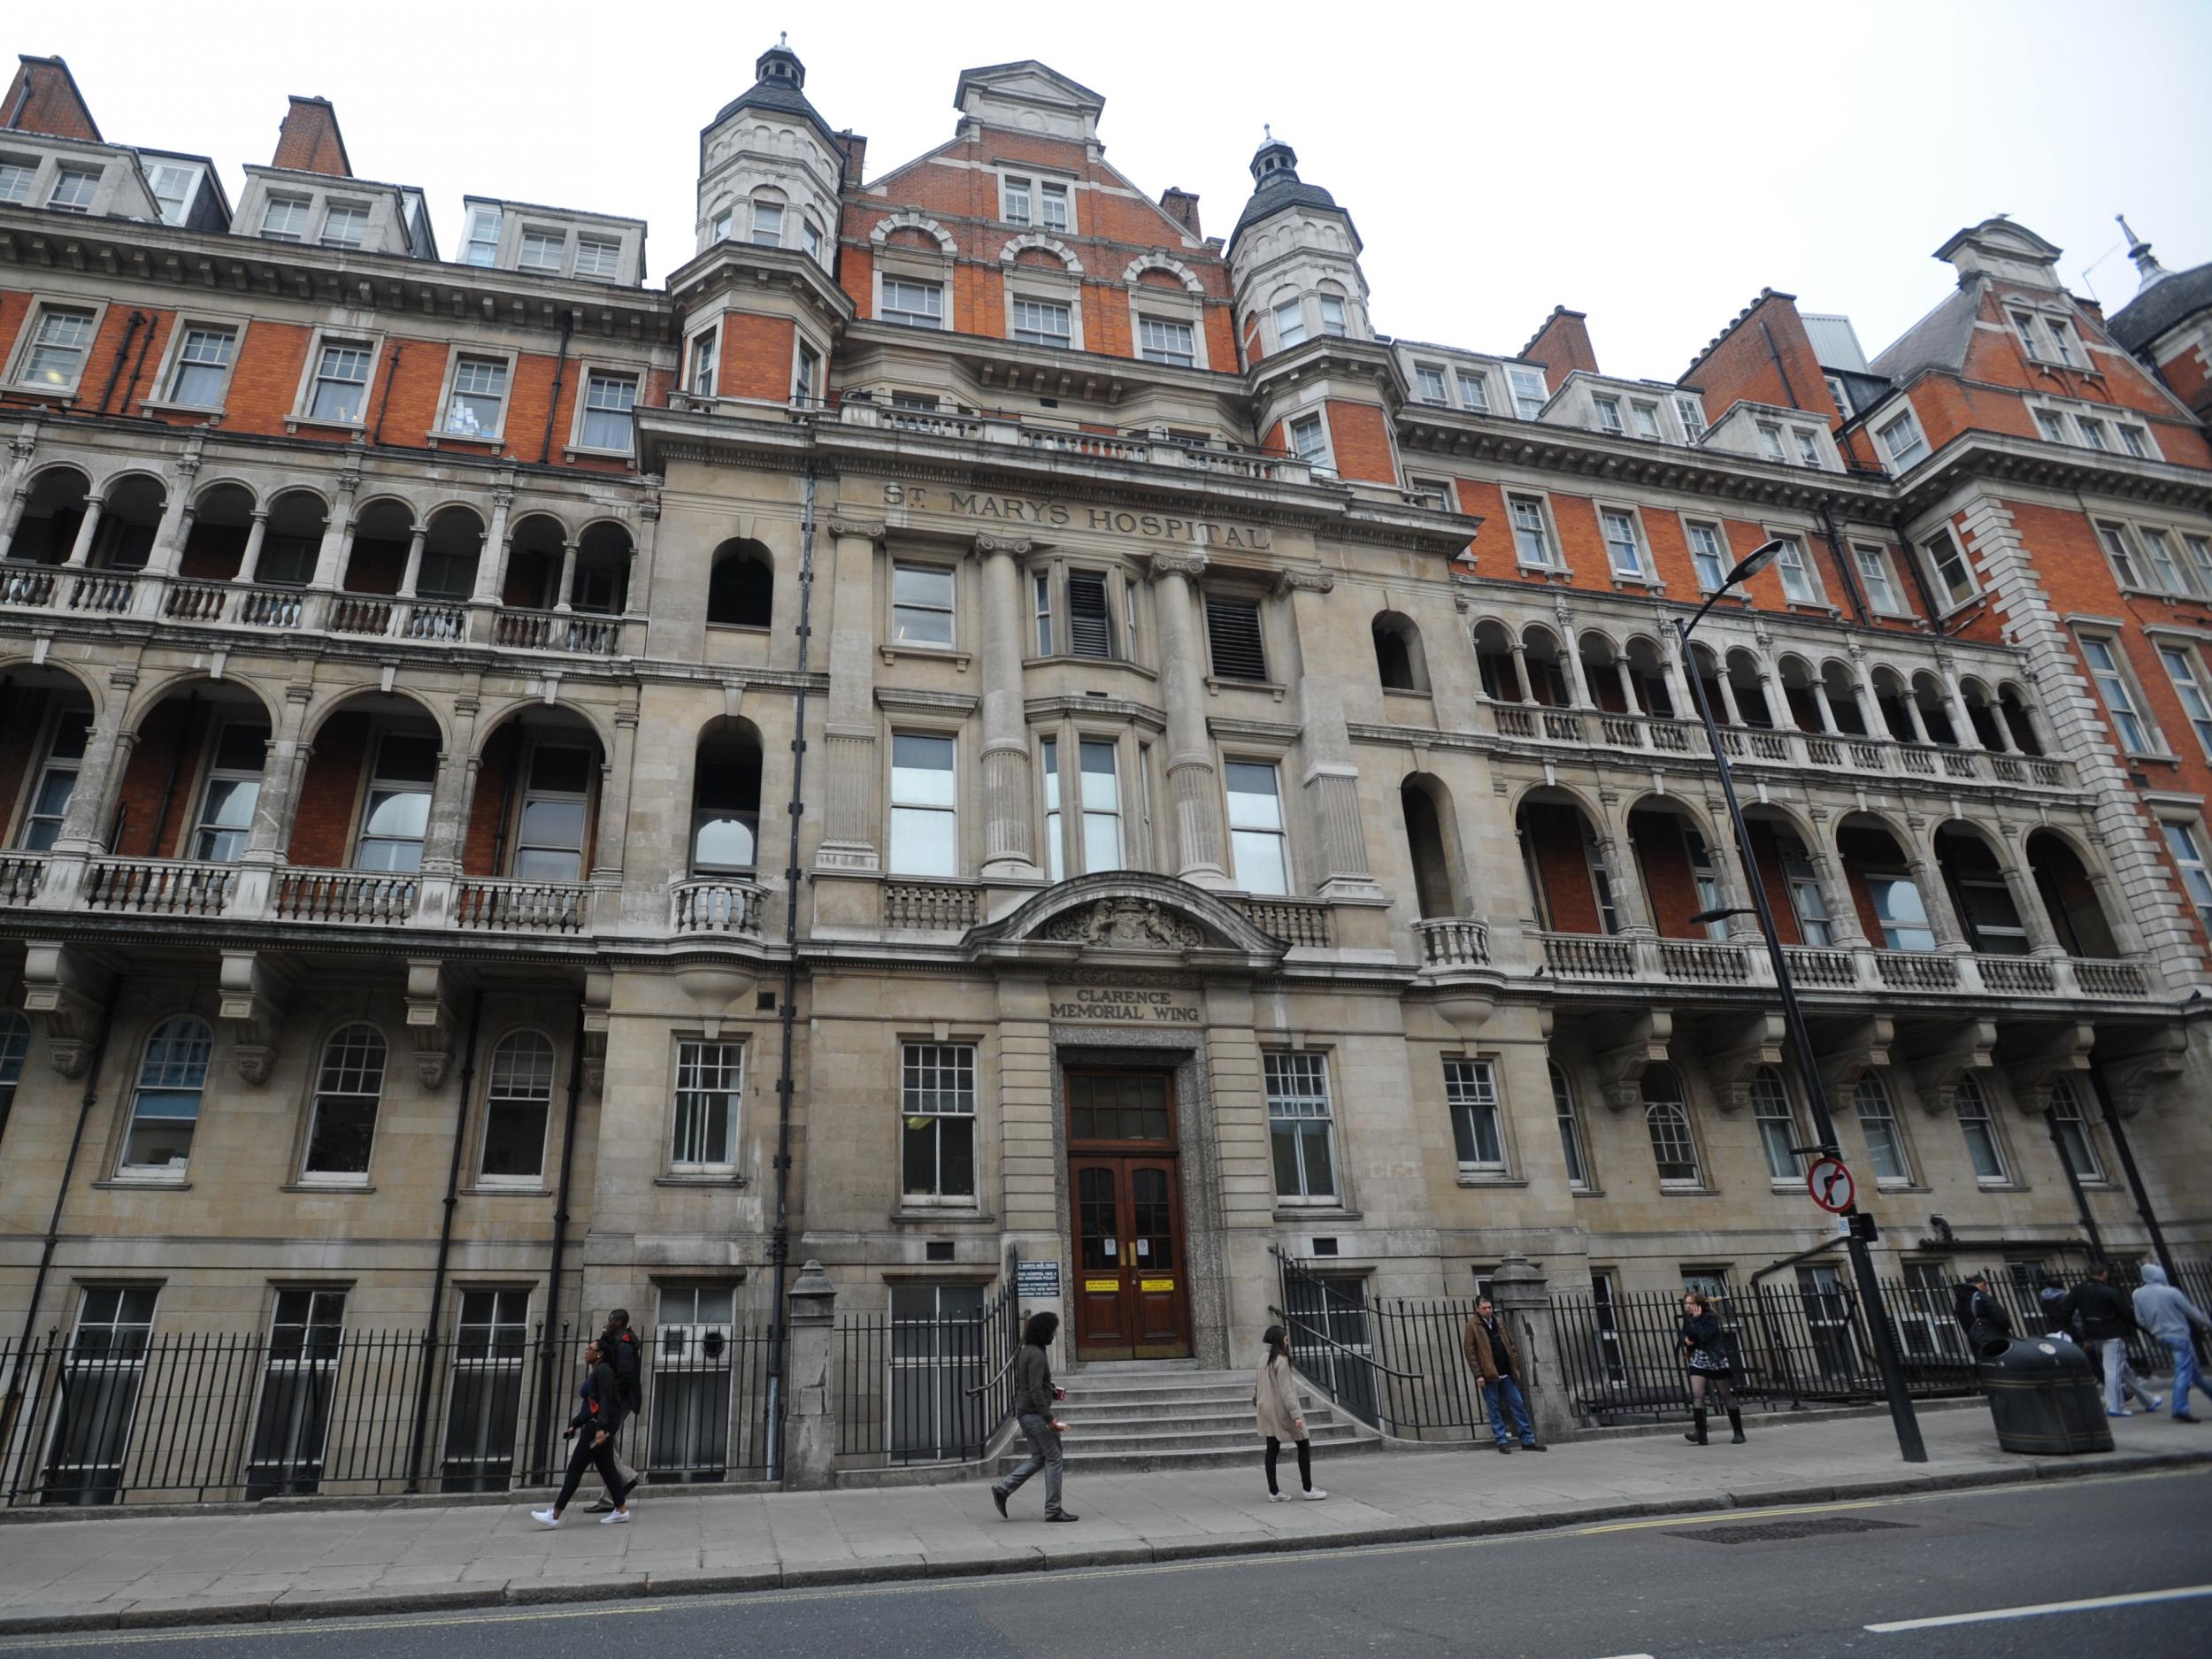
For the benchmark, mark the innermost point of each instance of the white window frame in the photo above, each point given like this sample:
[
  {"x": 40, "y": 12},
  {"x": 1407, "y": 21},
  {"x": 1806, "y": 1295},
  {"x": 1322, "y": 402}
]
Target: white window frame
[
  {"x": 949, "y": 609},
  {"x": 304, "y": 403},
  {"x": 1471, "y": 1082},
  {"x": 1462, "y": 378},
  {"x": 2115, "y": 677},
  {"x": 51, "y": 764},
  {"x": 1068, "y": 303},
  {"x": 1772, "y": 1107},
  {"x": 1796, "y": 556},
  {"x": 1607, "y": 407},
  {"x": 349, "y": 211},
  {"x": 533, "y": 1180},
  {"x": 271, "y": 203},
  {"x": 157, "y": 172},
  {"x": 1321, "y": 458},
  {"x": 589, "y": 370},
  {"x": 899, "y": 317},
  {"x": 1640, "y": 547},
  {"x": 1692, "y": 413},
  {"x": 449, "y": 388},
  {"x": 1871, "y": 1090},
  {"x": 1680, "y": 1103},
  {"x": 173, "y": 359},
  {"x": 391, "y": 786},
  {"x": 1335, "y": 312},
  {"x": 2123, "y": 553},
  {"x": 2066, "y": 351},
  {"x": 1425, "y": 375},
  {"x": 1163, "y": 354},
  {"x": 766, "y": 233},
  {"x": 721, "y": 1089},
  {"x": 602, "y": 243},
  {"x": 1947, "y": 536},
  {"x": 2168, "y": 563},
  {"x": 1809, "y": 451},
  {"x": 584, "y": 800},
  {"x": 27, "y": 341},
  {"x": 1074, "y": 808},
  {"x": 1900, "y": 457},
  {"x": 1839, "y": 395},
  {"x": 212, "y": 772},
  {"x": 1517, "y": 379},
  {"x": 810, "y": 369},
  {"x": 181, "y": 1070},
  {"x": 1970, "y": 1102},
  {"x": 1724, "y": 557},
  {"x": 1297, "y": 1087},
  {"x": 1574, "y": 1146},
  {"x": 898, "y": 861},
  {"x": 949, "y": 1103},
  {"x": 65, "y": 170},
  {"x": 2191, "y": 850},
  {"x": 18, "y": 180},
  {"x": 710, "y": 359},
  {"x": 1280, "y": 830},
  {"x": 1293, "y": 311},
  {"x": 2067, "y": 1107},
  {"x": 1644, "y": 422},
  {"x": 474, "y": 238},
  {"x": 1541, "y": 503},
  {"x": 1871, "y": 559},
  {"x": 357, "y": 1067}
]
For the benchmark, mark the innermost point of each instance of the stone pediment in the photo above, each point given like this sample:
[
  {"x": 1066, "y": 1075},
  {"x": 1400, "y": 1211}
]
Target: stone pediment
[{"x": 1127, "y": 913}]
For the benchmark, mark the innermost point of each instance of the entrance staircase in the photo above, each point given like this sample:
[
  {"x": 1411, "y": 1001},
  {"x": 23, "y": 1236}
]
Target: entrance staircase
[{"x": 1153, "y": 1414}]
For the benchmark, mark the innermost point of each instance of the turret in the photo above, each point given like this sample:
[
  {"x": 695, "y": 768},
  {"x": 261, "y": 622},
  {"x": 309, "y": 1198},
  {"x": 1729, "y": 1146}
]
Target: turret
[
  {"x": 770, "y": 167},
  {"x": 1294, "y": 259}
]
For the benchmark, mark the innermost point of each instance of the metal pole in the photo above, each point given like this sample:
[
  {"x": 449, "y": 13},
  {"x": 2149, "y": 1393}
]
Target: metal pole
[
  {"x": 2140, "y": 1194},
  {"x": 1910, "y": 1445}
]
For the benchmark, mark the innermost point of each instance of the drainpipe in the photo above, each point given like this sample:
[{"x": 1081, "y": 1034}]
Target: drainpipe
[
  {"x": 13, "y": 1404},
  {"x": 445, "y": 1247},
  {"x": 1910, "y": 559},
  {"x": 391, "y": 373},
  {"x": 1788, "y": 390},
  {"x": 2135, "y": 1176},
  {"x": 560, "y": 1247},
  {"x": 138, "y": 319},
  {"x": 1843, "y": 562},
  {"x": 560, "y": 374},
  {"x": 779, "y": 1243},
  {"x": 138, "y": 365},
  {"x": 2073, "y": 1185}
]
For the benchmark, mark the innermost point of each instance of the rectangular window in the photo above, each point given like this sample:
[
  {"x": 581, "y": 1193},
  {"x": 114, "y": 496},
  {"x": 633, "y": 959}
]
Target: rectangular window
[
  {"x": 2064, "y": 348},
  {"x": 1708, "y": 554},
  {"x": 105, "y": 1366},
  {"x": 1620, "y": 544},
  {"x": 719, "y": 226},
  {"x": 480, "y": 397},
  {"x": 1309, "y": 442},
  {"x": 2073, "y": 1125},
  {"x": 1955, "y": 577},
  {"x": 1166, "y": 339},
  {"x": 284, "y": 219},
  {"x": 2112, "y": 684},
  {"x": 1693, "y": 412},
  {"x": 921, "y": 603},
  {"x": 1808, "y": 446},
  {"x": 1471, "y": 1091},
  {"x": 15, "y": 181},
  {"x": 937, "y": 1120},
  {"x": 341, "y": 391},
  {"x": 73, "y": 190},
  {"x": 2094, "y": 432},
  {"x": 913, "y": 304},
  {"x": 1055, "y": 851},
  {"x": 925, "y": 806},
  {"x": 2052, "y": 425},
  {"x": 1290, "y": 324},
  {"x": 1562, "y": 1103},
  {"x": 768, "y": 224},
  {"x": 543, "y": 250},
  {"x": 1014, "y": 200},
  {"x": 234, "y": 786},
  {"x": 203, "y": 366},
  {"x": 57, "y": 781},
  {"x": 1777, "y": 1124},
  {"x": 1841, "y": 396},
  {"x": 1428, "y": 381},
  {"x": 1233, "y": 631},
  {"x": 1053, "y": 200},
  {"x": 710, "y": 1093},
  {"x": 2199, "y": 551},
  {"x": 2172, "y": 576},
  {"x": 607, "y": 400},
  {"x": 482, "y": 246},
  {"x": 1531, "y": 536},
  {"x": 1884, "y": 1147},
  {"x": 1299, "y": 1125},
  {"x": 1474, "y": 392},
  {"x": 1528, "y": 396},
  {"x": 395, "y": 814},
  {"x": 2185, "y": 842},
  {"x": 597, "y": 256},
  {"x": 807, "y": 387},
  {"x": 1041, "y": 589},
  {"x": 345, "y": 227},
  {"x": 1980, "y": 1132},
  {"x": 1645, "y": 418},
  {"x": 1704, "y": 878},
  {"x": 1902, "y": 441},
  {"x": 1609, "y": 411},
  {"x": 2181, "y": 667},
  {"x": 1806, "y": 898},
  {"x": 172, "y": 192},
  {"x": 1256, "y": 828},
  {"x": 1090, "y": 615},
  {"x": 57, "y": 356},
  {"x": 549, "y": 843},
  {"x": 2119, "y": 547},
  {"x": 1991, "y": 919},
  {"x": 298, "y": 1382},
  {"x": 1043, "y": 323},
  {"x": 1874, "y": 577},
  {"x": 701, "y": 379},
  {"x": 1798, "y": 586},
  {"x": 810, "y": 238},
  {"x": 2135, "y": 441},
  {"x": 1101, "y": 806},
  {"x": 1771, "y": 441},
  {"x": 1333, "y": 323},
  {"x": 1903, "y": 917}
]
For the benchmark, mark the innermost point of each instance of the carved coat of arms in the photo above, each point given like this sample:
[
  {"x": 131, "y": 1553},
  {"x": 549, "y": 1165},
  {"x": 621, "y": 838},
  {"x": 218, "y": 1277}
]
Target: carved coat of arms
[{"x": 1125, "y": 923}]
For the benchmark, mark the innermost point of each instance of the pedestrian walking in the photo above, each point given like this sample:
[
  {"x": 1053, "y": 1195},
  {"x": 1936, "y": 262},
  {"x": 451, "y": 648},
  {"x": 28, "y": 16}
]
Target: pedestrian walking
[
  {"x": 1712, "y": 1368},
  {"x": 2107, "y": 1320},
  {"x": 2174, "y": 1320},
  {"x": 1488, "y": 1347},
  {"x": 1033, "y": 1398},
  {"x": 598, "y": 1415},
  {"x": 2055, "y": 1303},
  {"x": 619, "y": 1344},
  {"x": 1275, "y": 1403},
  {"x": 1980, "y": 1314}
]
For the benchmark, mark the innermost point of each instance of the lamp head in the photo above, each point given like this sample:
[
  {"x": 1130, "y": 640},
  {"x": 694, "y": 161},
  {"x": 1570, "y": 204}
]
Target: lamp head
[{"x": 1755, "y": 561}]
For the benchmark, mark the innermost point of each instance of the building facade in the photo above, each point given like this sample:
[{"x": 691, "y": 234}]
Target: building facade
[{"x": 977, "y": 719}]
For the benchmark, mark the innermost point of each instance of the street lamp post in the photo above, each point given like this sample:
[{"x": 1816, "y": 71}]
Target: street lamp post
[{"x": 1861, "y": 1227}]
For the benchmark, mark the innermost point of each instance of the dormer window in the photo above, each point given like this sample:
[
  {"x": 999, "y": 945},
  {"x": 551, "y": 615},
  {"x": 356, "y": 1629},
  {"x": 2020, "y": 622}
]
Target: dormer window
[
  {"x": 1332, "y": 321},
  {"x": 1429, "y": 381},
  {"x": 1609, "y": 415},
  {"x": 345, "y": 227},
  {"x": 1474, "y": 392},
  {"x": 483, "y": 247},
  {"x": 544, "y": 250},
  {"x": 1645, "y": 418},
  {"x": 1808, "y": 445},
  {"x": 768, "y": 224},
  {"x": 172, "y": 192},
  {"x": 74, "y": 190},
  {"x": 2048, "y": 339},
  {"x": 1902, "y": 441},
  {"x": 1771, "y": 441},
  {"x": 1693, "y": 412},
  {"x": 1528, "y": 396},
  {"x": 1842, "y": 397},
  {"x": 15, "y": 181},
  {"x": 598, "y": 255},
  {"x": 285, "y": 219}
]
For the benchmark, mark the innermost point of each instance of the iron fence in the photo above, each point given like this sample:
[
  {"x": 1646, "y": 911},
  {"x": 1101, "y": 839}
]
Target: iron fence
[
  {"x": 1396, "y": 1364},
  {"x": 929, "y": 1380},
  {"x": 103, "y": 1417}
]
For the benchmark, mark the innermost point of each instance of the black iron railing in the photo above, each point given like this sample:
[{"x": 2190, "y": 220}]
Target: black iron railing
[
  {"x": 929, "y": 1379},
  {"x": 1395, "y": 1363},
  {"x": 117, "y": 1414}
]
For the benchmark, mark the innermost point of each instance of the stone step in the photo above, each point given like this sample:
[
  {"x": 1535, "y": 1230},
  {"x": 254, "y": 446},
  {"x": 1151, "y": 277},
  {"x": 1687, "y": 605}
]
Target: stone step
[
  {"x": 1248, "y": 1455},
  {"x": 1099, "y": 1415},
  {"x": 1157, "y": 1400},
  {"x": 1074, "y": 1444}
]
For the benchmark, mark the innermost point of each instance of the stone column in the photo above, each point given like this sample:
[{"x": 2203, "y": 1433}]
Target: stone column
[
  {"x": 1730, "y": 713},
  {"x": 562, "y": 592},
  {"x": 614, "y": 798},
  {"x": 1777, "y": 697},
  {"x": 1330, "y": 779},
  {"x": 176, "y": 517},
  {"x": 1524, "y": 1308},
  {"x": 2042, "y": 937},
  {"x": 337, "y": 548},
  {"x": 107, "y": 752},
  {"x": 1008, "y": 803},
  {"x": 491, "y": 562},
  {"x": 1679, "y": 690},
  {"x": 80, "y": 550},
  {"x": 1630, "y": 701},
  {"x": 413, "y": 572},
  {"x": 1570, "y": 649},
  {"x": 452, "y": 789},
  {"x": 1193, "y": 783},
  {"x": 1619, "y": 853},
  {"x": 15, "y": 482},
  {"x": 1962, "y": 722},
  {"x": 1935, "y": 898},
  {"x": 1911, "y": 701},
  {"x": 1835, "y": 889},
  {"x": 283, "y": 772},
  {"x": 1827, "y": 709},
  {"x": 1525, "y": 686},
  {"x": 851, "y": 766},
  {"x": 809, "y": 1404},
  {"x": 11, "y": 515}
]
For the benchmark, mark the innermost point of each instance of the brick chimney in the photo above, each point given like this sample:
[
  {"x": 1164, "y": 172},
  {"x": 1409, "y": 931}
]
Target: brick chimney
[
  {"x": 44, "y": 98},
  {"x": 856, "y": 148},
  {"x": 1563, "y": 344},
  {"x": 1181, "y": 206},
  {"x": 308, "y": 141}
]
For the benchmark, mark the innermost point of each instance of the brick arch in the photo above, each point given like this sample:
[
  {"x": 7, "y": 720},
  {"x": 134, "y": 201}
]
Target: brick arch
[
  {"x": 1013, "y": 250},
  {"x": 910, "y": 221},
  {"x": 1136, "y": 269}
]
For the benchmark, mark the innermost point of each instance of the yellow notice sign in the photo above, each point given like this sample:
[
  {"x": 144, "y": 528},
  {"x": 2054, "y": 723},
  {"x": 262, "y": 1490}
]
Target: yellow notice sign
[
  {"x": 1155, "y": 1284},
  {"x": 1107, "y": 1285}
]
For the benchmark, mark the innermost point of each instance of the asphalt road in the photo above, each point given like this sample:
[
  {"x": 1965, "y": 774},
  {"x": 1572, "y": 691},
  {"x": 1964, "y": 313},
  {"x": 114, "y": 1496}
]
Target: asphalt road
[{"x": 1756, "y": 1584}]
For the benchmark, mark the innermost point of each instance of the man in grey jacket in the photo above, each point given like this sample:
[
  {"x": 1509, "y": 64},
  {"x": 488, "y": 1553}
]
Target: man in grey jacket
[
  {"x": 2173, "y": 1319},
  {"x": 1033, "y": 1398}
]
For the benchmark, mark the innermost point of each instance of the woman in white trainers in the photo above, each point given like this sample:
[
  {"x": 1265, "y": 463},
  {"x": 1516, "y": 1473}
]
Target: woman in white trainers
[
  {"x": 1275, "y": 1400},
  {"x": 598, "y": 1414}
]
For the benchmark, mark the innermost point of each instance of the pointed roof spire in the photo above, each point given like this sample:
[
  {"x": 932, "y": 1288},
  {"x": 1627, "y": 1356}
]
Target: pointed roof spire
[{"x": 2146, "y": 264}]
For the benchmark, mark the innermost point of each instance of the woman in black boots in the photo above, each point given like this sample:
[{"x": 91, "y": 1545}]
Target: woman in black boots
[{"x": 1706, "y": 1352}]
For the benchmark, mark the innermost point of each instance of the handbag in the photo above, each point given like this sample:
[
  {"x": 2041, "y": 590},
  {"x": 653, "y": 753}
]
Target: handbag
[{"x": 1705, "y": 1359}]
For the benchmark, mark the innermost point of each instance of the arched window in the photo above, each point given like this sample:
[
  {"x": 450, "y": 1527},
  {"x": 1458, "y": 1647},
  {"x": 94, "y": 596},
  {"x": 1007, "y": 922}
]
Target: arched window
[
  {"x": 348, "y": 1086},
  {"x": 726, "y": 805},
  {"x": 1778, "y": 1123},
  {"x": 742, "y": 589},
  {"x": 1431, "y": 840},
  {"x": 1878, "y": 1122},
  {"x": 1563, "y": 1101},
  {"x": 517, "y": 1105},
  {"x": 1975, "y": 1123},
  {"x": 1399, "y": 661},
  {"x": 1667, "y": 1119},
  {"x": 15, "y": 1042},
  {"x": 165, "y": 1104}
]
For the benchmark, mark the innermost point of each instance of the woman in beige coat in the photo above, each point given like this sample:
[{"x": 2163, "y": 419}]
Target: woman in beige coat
[{"x": 1275, "y": 1400}]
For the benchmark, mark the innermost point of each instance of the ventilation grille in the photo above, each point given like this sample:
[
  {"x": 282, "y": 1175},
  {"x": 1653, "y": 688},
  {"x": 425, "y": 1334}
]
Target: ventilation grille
[
  {"x": 1090, "y": 623},
  {"x": 1232, "y": 628}
]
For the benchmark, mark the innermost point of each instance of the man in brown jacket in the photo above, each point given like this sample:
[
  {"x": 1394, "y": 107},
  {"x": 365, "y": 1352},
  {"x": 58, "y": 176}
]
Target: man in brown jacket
[{"x": 1490, "y": 1355}]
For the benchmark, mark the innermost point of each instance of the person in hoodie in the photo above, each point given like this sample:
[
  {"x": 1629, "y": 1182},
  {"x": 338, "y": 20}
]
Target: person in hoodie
[
  {"x": 2174, "y": 1320},
  {"x": 598, "y": 1415},
  {"x": 2056, "y": 1304},
  {"x": 2107, "y": 1322}
]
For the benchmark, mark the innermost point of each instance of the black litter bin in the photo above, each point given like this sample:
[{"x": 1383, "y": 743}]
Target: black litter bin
[{"x": 2044, "y": 1395}]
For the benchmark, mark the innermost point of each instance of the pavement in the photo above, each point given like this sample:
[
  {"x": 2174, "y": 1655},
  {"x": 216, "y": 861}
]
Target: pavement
[{"x": 126, "y": 1572}]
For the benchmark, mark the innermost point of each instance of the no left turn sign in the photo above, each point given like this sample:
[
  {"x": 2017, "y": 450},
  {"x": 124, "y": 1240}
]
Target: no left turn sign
[{"x": 1830, "y": 1185}]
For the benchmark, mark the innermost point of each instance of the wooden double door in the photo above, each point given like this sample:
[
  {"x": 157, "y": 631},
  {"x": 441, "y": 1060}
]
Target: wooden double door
[{"x": 1132, "y": 1290}]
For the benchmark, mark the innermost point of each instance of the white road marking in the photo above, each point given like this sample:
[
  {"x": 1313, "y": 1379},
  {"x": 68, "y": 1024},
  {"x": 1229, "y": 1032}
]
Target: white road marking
[{"x": 2189, "y": 1592}]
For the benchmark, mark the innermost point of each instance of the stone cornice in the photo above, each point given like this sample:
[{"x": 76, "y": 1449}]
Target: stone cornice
[{"x": 2004, "y": 458}]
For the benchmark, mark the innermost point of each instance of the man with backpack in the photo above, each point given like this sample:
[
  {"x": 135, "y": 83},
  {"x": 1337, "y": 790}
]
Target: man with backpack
[{"x": 618, "y": 1344}]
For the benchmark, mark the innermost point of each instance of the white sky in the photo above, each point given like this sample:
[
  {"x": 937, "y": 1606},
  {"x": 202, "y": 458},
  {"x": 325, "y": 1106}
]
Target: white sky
[{"x": 1652, "y": 166}]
